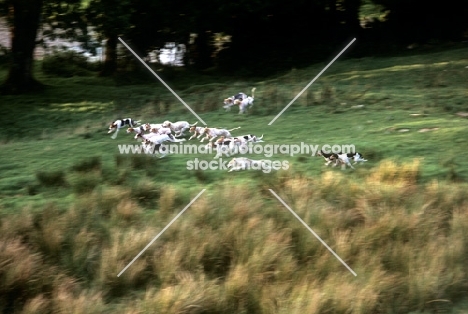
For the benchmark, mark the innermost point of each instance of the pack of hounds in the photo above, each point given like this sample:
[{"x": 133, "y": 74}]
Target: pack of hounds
[{"x": 153, "y": 136}]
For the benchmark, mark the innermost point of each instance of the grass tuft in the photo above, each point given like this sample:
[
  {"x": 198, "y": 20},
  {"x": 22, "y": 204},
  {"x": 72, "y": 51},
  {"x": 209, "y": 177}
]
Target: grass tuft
[
  {"x": 82, "y": 183},
  {"x": 88, "y": 164},
  {"x": 51, "y": 178},
  {"x": 146, "y": 192}
]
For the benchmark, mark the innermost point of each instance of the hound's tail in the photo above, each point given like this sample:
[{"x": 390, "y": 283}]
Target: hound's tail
[
  {"x": 253, "y": 91},
  {"x": 234, "y": 129}
]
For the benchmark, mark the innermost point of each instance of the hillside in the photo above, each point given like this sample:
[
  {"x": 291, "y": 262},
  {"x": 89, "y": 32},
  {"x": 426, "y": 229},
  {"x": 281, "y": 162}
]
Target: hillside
[{"x": 75, "y": 212}]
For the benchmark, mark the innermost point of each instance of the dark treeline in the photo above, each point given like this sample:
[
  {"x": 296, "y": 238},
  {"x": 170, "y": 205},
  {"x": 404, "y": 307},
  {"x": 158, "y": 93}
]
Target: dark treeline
[{"x": 265, "y": 35}]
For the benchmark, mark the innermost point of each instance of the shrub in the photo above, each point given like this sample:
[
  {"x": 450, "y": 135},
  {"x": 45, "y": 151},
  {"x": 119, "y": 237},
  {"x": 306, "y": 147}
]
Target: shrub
[
  {"x": 5, "y": 56},
  {"x": 51, "y": 178},
  {"x": 122, "y": 160},
  {"x": 141, "y": 162},
  {"x": 108, "y": 198},
  {"x": 84, "y": 182},
  {"x": 65, "y": 64},
  {"x": 146, "y": 192},
  {"x": 88, "y": 164}
]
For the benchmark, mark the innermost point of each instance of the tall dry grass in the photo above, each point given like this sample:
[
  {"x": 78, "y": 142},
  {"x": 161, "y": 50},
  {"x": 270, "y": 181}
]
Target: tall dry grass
[{"x": 238, "y": 250}]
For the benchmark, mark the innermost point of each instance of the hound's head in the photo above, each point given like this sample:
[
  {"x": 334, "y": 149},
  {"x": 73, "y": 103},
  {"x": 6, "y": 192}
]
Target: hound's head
[
  {"x": 228, "y": 101},
  {"x": 220, "y": 140},
  {"x": 130, "y": 130},
  {"x": 192, "y": 129},
  {"x": 319, "y": 153},
  {"x": 146, "y": 127},
  {"x": 112, "y": 126},
  {"x": 154, "y": 130},
  {"x": 166, "y": 124}
]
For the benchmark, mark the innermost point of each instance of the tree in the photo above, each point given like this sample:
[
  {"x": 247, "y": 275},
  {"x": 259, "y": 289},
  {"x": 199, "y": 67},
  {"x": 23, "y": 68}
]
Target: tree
[
  {"x": 421, "y": 21},
  {"x": 111, "y": 19},
  {"x": 351, "y": 16},
  {"x": 273, "y": 35},
  {"x": 24, "y": 19}
]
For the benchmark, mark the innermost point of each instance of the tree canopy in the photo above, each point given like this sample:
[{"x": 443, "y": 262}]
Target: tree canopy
[{"x": 263, "y": 33}]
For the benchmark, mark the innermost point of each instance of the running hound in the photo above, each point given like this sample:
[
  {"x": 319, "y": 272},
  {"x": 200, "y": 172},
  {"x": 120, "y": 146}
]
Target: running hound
[
  {"x": 121, "y": 123},
  {"x": 161, "y": 130},
  {"x": 152, "y": 142},
  {"x": 236, "y": 140},
  {"x": 230, "y": 100},
  {"x": 178, "y": 127},
  {"x": 341, "y": 158},
  {"x": 244, "y": 163},
  {"x": 150, "y": 126},
  {"x": 251, "y": 138},
  {"x": 224, "y": 147},
  {"x": 137, "y": 130},
  {"x": 212, "y": 133},
  {"x": 242, "y": 103},
  {"x": 144, "y": 137},
  {"x": 196, "y": 130}
]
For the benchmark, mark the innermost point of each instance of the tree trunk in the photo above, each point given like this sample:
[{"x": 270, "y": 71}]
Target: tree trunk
[
  {"x": 334, "y": 22},
  {"x": 353, "y": 25},
  {"x": 203, "y": 51},
  {"x": 110, "y": 57},
  {"x": 26, "y": 19}
]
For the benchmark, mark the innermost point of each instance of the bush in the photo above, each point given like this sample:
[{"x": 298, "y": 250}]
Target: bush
[
  {"x": 66, "y": 64},
  {"x": 146, "y": 192},
  {"x": 4, "y": 56},
  {"x": 51, "y": 178},
  {"x": 88, "y": 164},
  {"x": 84, "y": 182}
]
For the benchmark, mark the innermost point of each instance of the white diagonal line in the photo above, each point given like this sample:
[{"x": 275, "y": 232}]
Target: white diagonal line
[
  {"x": 311, "y": 82},
  {"x": 164, "y": 83},
  {"x": 312, "y": 231},
  {"x": 162, "y": 231}
]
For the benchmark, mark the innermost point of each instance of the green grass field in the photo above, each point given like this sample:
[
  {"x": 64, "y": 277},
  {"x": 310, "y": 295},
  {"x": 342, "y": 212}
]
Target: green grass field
[
  {"x": 68, "y": 123},
  {"x": 74, "y": 211}
]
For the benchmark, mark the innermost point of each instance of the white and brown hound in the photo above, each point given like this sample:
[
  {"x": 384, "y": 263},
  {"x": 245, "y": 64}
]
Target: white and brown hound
[
  {"x": 120, "y": 123},
  {"x": 242, "y": 102}
]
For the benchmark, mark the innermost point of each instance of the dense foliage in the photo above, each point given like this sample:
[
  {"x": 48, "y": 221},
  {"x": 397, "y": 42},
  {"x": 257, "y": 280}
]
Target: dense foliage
[{"x": 265, "y": 35}]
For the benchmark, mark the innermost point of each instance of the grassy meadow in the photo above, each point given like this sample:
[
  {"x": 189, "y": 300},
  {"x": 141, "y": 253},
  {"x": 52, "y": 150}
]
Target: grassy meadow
[{"x": 74, "y": 212}]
